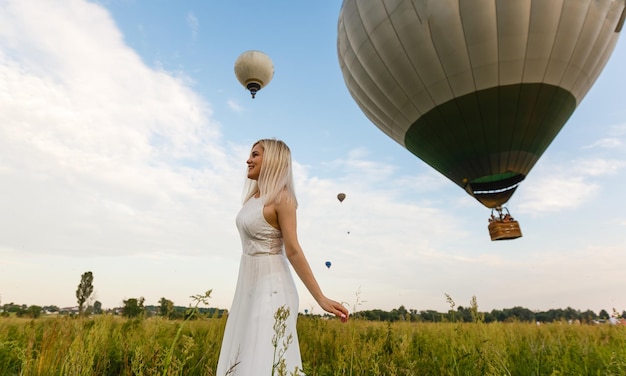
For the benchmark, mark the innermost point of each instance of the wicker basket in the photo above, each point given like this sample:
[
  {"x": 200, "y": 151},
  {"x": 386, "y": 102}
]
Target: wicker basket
[
  {"x": 500, "y": 230},
  {"x": 503, "y": 226}
]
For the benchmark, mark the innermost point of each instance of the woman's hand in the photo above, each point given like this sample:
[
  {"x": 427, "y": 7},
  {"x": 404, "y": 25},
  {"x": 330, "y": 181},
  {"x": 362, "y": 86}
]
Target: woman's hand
[{"x": 335, "y": 308}]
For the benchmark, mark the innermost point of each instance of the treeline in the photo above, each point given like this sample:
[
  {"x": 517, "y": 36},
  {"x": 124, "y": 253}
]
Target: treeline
[
  {"x": 135, "y": 308},
  {"x": 515, "y": 314}
]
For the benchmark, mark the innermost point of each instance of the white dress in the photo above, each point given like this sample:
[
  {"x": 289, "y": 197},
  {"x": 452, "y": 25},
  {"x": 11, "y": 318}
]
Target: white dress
[{"x": 264, "y": 285}]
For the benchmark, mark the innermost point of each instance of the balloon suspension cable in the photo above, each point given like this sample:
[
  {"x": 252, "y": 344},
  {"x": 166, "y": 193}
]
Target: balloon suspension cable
[{"x": 501, "y": 217}]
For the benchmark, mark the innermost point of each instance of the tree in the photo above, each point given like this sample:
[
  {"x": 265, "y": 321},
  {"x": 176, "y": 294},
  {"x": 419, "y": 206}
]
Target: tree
[
  {"x": 84, "y": 291},
  {"x": 133, "y": 307},
  {"x": 33, "y": 311},
  {"x": 51, "y": 308},
  {"x": 474, "y": 313},
  {"x": 398, "y": 314},
  {"x": 166, "y": 307},
  {"x": 588, "y": 316},
  {"x": 519, "y": 314},
  {"x": 97, "y": 307}
]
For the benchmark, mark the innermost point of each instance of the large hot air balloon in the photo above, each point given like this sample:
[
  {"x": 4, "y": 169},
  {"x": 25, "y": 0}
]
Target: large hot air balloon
[
  {"x": 254, "y": 70},
  {"x": 477, "y": 89}
]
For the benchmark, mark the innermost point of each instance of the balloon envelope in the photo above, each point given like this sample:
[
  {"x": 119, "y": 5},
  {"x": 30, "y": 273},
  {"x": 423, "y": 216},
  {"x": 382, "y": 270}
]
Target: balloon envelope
[
  {"x": 476, "y": 89},
  {"x": 328, "y": 264},
  {"x": 254, "y": 70},
  {"x": 341, "y": 197}
]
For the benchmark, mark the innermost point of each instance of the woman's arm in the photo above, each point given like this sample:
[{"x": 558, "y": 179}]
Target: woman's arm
[{"x": 286, "y": 220}]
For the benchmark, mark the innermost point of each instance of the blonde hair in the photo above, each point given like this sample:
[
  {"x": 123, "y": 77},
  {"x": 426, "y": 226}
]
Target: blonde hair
[{"x": 276, "y": 177}]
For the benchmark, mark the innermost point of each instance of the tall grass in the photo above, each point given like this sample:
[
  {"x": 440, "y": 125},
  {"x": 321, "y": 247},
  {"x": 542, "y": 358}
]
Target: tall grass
[
  {"x": 110, "y": 345},
  {"x": 461, "y": 349}
]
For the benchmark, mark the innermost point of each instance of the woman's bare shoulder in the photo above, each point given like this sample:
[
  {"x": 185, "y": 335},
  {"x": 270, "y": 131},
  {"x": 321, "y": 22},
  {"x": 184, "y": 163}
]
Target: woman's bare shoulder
[{"x": 285, "y": 200}]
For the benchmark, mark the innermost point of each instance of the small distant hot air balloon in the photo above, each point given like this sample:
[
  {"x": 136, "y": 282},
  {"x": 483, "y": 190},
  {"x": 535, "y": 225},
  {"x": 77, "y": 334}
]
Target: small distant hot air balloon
[
  {"x": 254, "y": 70},
  {"x": 328, "y": 264},
  {"x": 341, "y": 197}
]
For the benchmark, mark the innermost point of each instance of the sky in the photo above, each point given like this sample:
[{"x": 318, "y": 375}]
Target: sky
[{"x": 123, "y": 140}]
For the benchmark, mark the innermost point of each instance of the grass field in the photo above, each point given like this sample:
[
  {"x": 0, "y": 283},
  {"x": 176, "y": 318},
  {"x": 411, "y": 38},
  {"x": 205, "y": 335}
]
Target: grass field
[{"x": 111, "y": 345}]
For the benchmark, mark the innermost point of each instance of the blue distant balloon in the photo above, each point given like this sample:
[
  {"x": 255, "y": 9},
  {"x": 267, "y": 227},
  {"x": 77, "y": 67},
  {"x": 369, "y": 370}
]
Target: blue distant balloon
[{"x": 328, "y": 264}]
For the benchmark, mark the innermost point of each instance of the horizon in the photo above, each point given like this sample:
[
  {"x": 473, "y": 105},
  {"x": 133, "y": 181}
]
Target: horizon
[{"x": 457, "y": 307}]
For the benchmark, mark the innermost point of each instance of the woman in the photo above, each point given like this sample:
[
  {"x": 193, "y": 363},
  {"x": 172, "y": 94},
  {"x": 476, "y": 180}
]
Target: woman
[{"x": 257, "y": 341}]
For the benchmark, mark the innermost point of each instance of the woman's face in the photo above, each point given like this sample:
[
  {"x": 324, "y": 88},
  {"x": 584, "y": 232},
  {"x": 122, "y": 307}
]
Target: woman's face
[{"x": 254, "y": 162}]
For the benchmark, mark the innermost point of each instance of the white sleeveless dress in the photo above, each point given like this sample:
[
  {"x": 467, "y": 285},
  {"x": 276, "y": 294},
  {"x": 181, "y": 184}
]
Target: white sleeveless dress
[{"x": 264, "y": 285}]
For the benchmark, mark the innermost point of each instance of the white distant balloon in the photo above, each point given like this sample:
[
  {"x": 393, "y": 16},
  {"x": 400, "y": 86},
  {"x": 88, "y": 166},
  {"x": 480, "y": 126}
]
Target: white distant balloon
[{"x": 254, "y": 70}]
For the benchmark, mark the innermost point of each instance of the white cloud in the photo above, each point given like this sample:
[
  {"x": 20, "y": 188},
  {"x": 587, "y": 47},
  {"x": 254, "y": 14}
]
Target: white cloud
[
  {"x": 101, "y": 153},
  {"x": 614, "y": 140},
  {"x": 555, "y": 193},
  {"x": 558, "y": 187},
  {"x": 608, "y": 143},
  {"x": 193, "y": 23},
  {"x": 598, "y": 166},
  {"x": 235, "y": 106}
]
